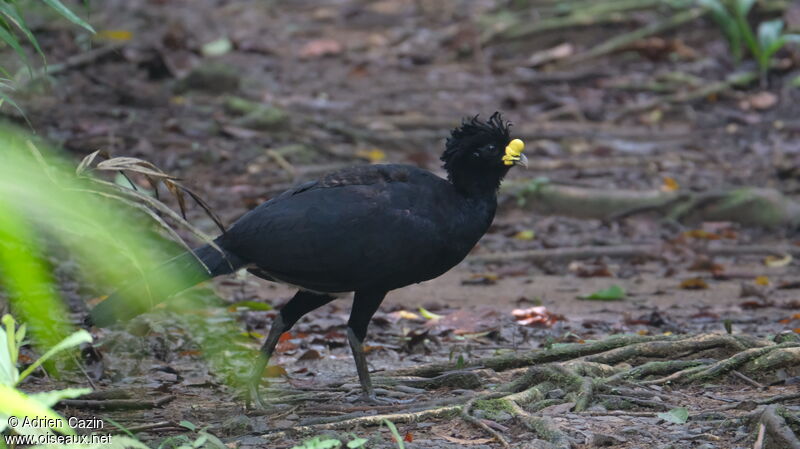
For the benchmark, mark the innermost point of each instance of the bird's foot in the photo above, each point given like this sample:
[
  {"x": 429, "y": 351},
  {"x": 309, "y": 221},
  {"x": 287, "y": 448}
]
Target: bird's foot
[{"x": 254, "y": 396}]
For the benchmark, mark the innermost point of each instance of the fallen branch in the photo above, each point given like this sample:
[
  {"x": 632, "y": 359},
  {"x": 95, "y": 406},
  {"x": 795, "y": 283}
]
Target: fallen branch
[
  {"x": 750, "y": 206},
  {"x": 116, "y": 404},
  {"x": 644, "y": 251}
]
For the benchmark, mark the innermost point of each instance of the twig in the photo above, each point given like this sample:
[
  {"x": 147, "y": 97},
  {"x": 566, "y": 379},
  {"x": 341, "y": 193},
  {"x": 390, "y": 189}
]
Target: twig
[
  {"x": 81, "y": 59},
  {"x": 153, "y": 426},
  {"x": 116, "y": 404},
  {"x": 748, "y": 380},
  {"x": 737, "y": 79},
  {"x": 623, "y": 40}
]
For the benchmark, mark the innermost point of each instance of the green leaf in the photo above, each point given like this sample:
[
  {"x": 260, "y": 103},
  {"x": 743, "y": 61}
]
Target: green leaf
[
  {"x": 51, "y": 398},
  {"x": 428, "y": 315},
  {"x": 743, "y": 7},
  {"x": 12, "y": 42},
  {"x": 727, "y": 24},
  {"x": 613, "y": 293},
  {"x": 11, "y": 14},
  {"x": 392, "y": 428},
  {"x": 16, "y": 403},
  {"x": 217, "y": 47},
  {"x": 68, "y": 14},
  {"x": 676, "y": 416},
  {"x": 188, "y": 425},
  {"x": 71, "y": 341},
  {"x": 6, "y": 99},
  {"x": 356, "y": 443},
  {"x": 252, "y": 305},
  {"x": 319, "y": 443},
  {"x": 769, "y": 33}
]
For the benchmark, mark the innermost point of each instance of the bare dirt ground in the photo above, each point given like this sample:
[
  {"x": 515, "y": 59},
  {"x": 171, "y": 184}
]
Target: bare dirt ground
[{"x": 311, "y": 86}]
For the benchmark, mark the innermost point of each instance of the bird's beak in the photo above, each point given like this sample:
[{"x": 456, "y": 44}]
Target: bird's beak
[{"x": 513, "y": 155}]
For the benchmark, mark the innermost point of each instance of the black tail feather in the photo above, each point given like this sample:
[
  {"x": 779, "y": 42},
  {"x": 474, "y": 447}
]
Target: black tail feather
[{"x": 174, "y": 276}]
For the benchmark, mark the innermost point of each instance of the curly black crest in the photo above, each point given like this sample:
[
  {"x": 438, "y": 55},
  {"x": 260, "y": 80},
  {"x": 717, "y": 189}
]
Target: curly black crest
[{"x": 474, "y": 129}]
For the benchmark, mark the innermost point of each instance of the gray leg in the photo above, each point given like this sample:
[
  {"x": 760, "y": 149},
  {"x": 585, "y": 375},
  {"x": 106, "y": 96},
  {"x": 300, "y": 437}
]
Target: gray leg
[
  {"x": 302, "y": 303},
  {"x": 365, "y": 304}
]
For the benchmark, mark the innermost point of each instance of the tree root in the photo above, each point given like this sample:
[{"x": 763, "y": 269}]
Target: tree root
[
  {"x": 777, "y": 430},
  {"x": 535, "y": 357},
  {"x": 702, "y": 374},
  {"x": 577, "y": 377},
  {"x": 750, "y": 206}
]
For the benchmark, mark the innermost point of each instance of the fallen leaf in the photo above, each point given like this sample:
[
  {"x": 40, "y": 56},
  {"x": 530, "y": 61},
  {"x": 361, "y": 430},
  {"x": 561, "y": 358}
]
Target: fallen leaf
[
  {"x": 285, "y": 346},
  {"x": 481, "y": 279},
  {"x": 252, "y": 305},
  {"x": 762, "y": 280},
  {"x": 464, "y": 322},
  {"x": 97, "y": 300},
  {"x": 613, "y": 293},
  {"x": 429, "y": 315},
  {"x": 311, "y": 354},
  {"x": 585, "y": 270},
  {"x": 701, "y": 234},
  {"x": 275, "y": 371},
  {"x": 762, "y": 100},
  {"x": 526, "y": 234},
  {"x": 251, "y": 334},
  {"x": 372, "y": 155},
  {"x": 694, "y": 284},
  {"x": 560, "y": 51},
  {"x": 676, "y": 416},
  {"x": 409, "y": 438},
  {"x": 114, "y": 35},
  {"x": 320, "y": 47},
  {"x": 777, "y": 261},
  {"x": 404, "y": 315},
  {"x": 535, "y": 316},
  {"x": 670, "y": 185},
  {"x": 217, "y": 47}
]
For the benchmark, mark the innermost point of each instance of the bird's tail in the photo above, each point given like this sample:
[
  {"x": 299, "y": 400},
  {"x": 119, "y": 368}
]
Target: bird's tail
[{"x": 173, "y": 276}]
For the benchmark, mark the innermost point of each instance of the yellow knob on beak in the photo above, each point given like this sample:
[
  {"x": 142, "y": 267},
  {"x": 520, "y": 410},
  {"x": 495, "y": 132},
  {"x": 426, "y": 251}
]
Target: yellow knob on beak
[{"x": 514, "y": 154}]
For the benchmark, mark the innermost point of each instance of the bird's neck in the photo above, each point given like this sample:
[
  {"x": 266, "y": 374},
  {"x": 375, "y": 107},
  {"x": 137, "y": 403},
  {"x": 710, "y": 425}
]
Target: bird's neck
[{"x": 476, "y": 185}]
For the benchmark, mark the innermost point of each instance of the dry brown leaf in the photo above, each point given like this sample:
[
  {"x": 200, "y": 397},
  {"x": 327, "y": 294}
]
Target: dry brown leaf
[
  {"x": 536, "y": 316},
  {"x": 320, "y": 47},
  {"x": 670, "y": 185},
  {"x": 694, "y": 284},
  {"x": 762, "y": 100}
]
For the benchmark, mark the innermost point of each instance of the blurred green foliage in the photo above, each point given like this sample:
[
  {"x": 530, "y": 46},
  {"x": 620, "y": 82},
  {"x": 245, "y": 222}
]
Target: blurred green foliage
[
  {"x": 762, "y": 44},
  {"x": 14, "y": 31}
]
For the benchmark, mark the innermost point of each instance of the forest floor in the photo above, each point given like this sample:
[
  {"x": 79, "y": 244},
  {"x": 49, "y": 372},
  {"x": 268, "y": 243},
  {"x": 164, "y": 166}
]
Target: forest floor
[{"x": 243, "y": 99}]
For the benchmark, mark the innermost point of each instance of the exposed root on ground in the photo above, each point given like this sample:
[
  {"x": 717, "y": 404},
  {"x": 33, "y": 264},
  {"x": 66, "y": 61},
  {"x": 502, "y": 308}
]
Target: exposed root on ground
[{"x": 610, "y": 377}]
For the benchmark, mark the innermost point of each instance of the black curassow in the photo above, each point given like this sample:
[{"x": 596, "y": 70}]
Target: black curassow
[{"x": 367, "y": 229}]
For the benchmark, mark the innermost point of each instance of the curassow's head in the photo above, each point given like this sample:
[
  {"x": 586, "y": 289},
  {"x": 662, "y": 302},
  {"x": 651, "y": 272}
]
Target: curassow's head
[{"x": 478, "y": 154}]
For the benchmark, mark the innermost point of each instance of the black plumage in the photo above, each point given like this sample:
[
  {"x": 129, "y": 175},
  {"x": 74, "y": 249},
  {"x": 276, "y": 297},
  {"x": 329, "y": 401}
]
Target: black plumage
[{"x": 366, "y": 229}]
